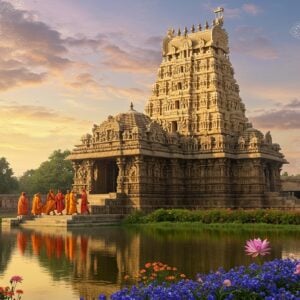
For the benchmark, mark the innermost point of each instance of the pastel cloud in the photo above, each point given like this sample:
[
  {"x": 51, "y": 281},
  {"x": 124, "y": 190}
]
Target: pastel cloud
[
  {"x": 285, "y": 117},
  {"x": 133, "y": 60},
  {"x": 29, "y": 49},
  {"x": 251, "y": 9},
  {"x": 250, "y": 40},
  {"x": 236, "y": 12},
  {"x": 84, "y": 80}
]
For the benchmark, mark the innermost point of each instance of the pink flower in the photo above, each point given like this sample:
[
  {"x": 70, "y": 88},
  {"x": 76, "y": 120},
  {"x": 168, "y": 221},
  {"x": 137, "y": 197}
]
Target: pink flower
[
  {"x": 227, "y": 282},
  {"x": 297, "y": 272},
  {"x": 16, "y": 278},
  {"x": 257, "y": 247}
]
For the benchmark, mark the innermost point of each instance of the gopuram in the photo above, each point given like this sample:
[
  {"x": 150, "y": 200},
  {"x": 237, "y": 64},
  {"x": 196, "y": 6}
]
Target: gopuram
[{"x": 193, "y": 147}]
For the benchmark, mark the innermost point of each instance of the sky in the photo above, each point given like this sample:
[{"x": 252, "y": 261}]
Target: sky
[{"x": 68, "y": 64}]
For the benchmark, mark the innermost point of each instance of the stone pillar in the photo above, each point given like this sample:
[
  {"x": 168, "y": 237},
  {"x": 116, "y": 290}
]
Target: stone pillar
[
  {"x": 90, "y": 182},
  {"x": 77, "y": 179},
  {"x": 120, "y": 180},
  {"x": 139, "y": 163}
]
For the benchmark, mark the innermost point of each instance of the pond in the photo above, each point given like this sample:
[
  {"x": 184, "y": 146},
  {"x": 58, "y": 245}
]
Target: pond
[{"x": 63, "y": 264}]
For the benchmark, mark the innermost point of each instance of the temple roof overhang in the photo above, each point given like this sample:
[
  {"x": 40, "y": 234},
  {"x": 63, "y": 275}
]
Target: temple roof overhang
[{"x": 172, "y": 155}]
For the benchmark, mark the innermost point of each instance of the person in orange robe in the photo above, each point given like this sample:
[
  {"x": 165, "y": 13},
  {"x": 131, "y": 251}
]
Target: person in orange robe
[
  {"x": 22, "y": 205},
  {"x": 73, "y": 203},
  {"x": 67, "y": 202},
  {"x": 84, "y": 208},
  {"x": 50, "y": 203},
  {"x": 37, "y": 205},
  {"x": 59, "y": 199}
]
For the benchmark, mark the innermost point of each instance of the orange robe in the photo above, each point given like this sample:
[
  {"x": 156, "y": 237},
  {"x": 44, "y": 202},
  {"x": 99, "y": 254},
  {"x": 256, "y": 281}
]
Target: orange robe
[
  {"x": 36, "y": 205},
  {"x": 84, "y": 204},
  {"x": 73, "y": 204},
  {"x": 23, "y": 206},
  {"x": 50, "y": 204},
  {"x": 59, "y": 199},
  {"x": 67, "y": 203}
]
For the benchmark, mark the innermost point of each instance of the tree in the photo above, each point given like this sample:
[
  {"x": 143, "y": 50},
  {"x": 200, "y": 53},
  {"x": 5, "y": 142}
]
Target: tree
[
  {"x": 27, "y": 182},
  {"x": 8, "y": 183},
  {"x": 55, "y": 173}
]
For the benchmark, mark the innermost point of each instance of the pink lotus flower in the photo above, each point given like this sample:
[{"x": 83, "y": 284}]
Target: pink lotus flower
[
  {"x": 227, "y": 282},
  {"x": 16, "y": 278},
  {"x": 297, "y": 272},
  {"x": 257, "y": 247}
]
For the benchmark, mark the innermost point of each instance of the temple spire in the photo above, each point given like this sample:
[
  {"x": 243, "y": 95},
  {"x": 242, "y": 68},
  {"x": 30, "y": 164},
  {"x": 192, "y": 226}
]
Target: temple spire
[
  {"x": 131, "y": 106},
  {"x": 219, "y": 16}
]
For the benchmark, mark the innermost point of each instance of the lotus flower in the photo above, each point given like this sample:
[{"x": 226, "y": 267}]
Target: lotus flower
[
  {"x": 227, "y": 282},
  {"x": 257, "y": 247}
]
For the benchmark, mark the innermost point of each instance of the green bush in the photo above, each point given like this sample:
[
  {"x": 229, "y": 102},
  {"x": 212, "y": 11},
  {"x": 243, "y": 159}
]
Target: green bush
[{"x": 209, "y": 216}]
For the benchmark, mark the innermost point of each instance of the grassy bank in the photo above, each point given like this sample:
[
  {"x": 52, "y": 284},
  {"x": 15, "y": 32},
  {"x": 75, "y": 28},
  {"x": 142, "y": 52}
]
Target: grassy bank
[
  {"x": 224, "y": 227},
  {"x": 259, "y": 216}
]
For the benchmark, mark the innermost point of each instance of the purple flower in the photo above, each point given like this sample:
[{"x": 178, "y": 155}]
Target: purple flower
[{"x": 257, "y": 247}]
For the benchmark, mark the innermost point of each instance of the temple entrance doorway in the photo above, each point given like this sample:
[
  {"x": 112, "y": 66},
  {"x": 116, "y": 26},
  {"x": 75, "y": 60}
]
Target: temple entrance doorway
[{"x": 105, "y": 175}]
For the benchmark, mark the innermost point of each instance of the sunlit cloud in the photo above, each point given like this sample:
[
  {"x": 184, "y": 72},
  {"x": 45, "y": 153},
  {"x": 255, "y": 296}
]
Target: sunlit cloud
[
  {"x": 84, "y": 80},
  {"x": 38, "y": 121}
]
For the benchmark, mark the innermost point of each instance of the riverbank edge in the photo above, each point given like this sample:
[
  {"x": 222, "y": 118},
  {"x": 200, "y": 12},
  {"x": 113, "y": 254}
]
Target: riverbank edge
[{"x": 214, "y": 226}]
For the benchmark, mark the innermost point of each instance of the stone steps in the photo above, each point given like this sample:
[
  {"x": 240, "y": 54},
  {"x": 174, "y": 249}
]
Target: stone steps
[
  {"x": 64, "y": 221},
  {"x": 14, "y": 222}
]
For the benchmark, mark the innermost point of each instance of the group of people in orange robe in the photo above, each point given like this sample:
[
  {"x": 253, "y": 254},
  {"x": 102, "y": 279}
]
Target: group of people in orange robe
[{"x": 55, "y": 204}]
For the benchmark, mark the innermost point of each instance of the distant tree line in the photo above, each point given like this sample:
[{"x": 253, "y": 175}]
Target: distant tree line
[
  {"x": 55, "y": 173},
  {"x": 285, "y": 175}
]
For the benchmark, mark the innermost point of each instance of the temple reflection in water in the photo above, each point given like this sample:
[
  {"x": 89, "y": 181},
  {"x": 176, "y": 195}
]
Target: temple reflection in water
[{"x": 95, "y": 261}]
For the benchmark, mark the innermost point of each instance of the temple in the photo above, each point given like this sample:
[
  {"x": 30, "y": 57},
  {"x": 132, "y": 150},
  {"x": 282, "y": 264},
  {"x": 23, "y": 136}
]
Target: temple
[{"x": 193, "y": 147}]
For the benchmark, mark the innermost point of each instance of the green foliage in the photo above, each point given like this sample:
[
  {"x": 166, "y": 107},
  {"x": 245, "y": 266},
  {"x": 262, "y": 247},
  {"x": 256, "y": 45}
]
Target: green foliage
[
  {"x": 287, "y": 176},
  {"x": 268, "y": 216},
  {"x": 8, "y": 183},
  {"x": 55, "y": 173}
]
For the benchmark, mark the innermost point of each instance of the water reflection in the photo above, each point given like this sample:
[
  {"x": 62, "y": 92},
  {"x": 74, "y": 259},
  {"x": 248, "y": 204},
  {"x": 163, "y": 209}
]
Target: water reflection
[{"x": 93, "y": 261}]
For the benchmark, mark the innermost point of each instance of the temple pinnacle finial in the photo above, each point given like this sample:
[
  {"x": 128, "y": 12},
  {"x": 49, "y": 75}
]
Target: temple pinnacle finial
[
  {"x": 131, "y": 106},
  {"x": 185, "y": 31},
  {"x": 219, "y": 12},
  {"x": 219, "y": 15}
]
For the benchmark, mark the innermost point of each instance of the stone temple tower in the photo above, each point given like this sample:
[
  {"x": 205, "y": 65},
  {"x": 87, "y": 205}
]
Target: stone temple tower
[
  {"x": 193, "y": 148},
  {"x": 195, "y": 93}
]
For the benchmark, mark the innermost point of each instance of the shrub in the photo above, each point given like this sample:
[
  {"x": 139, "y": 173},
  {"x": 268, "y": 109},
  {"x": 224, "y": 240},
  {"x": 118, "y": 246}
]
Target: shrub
[{"x": 209, "y": 216}]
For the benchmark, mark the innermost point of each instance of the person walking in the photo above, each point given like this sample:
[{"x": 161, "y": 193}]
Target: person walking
[
  {"x": 59, "y": 199},
  {"x": 37, "y": 205},
  {"x": 84, "y": 207},
  {"x": 22, "y": 205},
  {"x": 67, "y": 202},
  {"x": 73, "y": 203},
  {"x": 50, "y": 203}
]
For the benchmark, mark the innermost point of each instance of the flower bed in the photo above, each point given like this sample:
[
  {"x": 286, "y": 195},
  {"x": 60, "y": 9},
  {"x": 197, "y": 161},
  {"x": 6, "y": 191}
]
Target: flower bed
[{"x": 277, "y": 279}]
